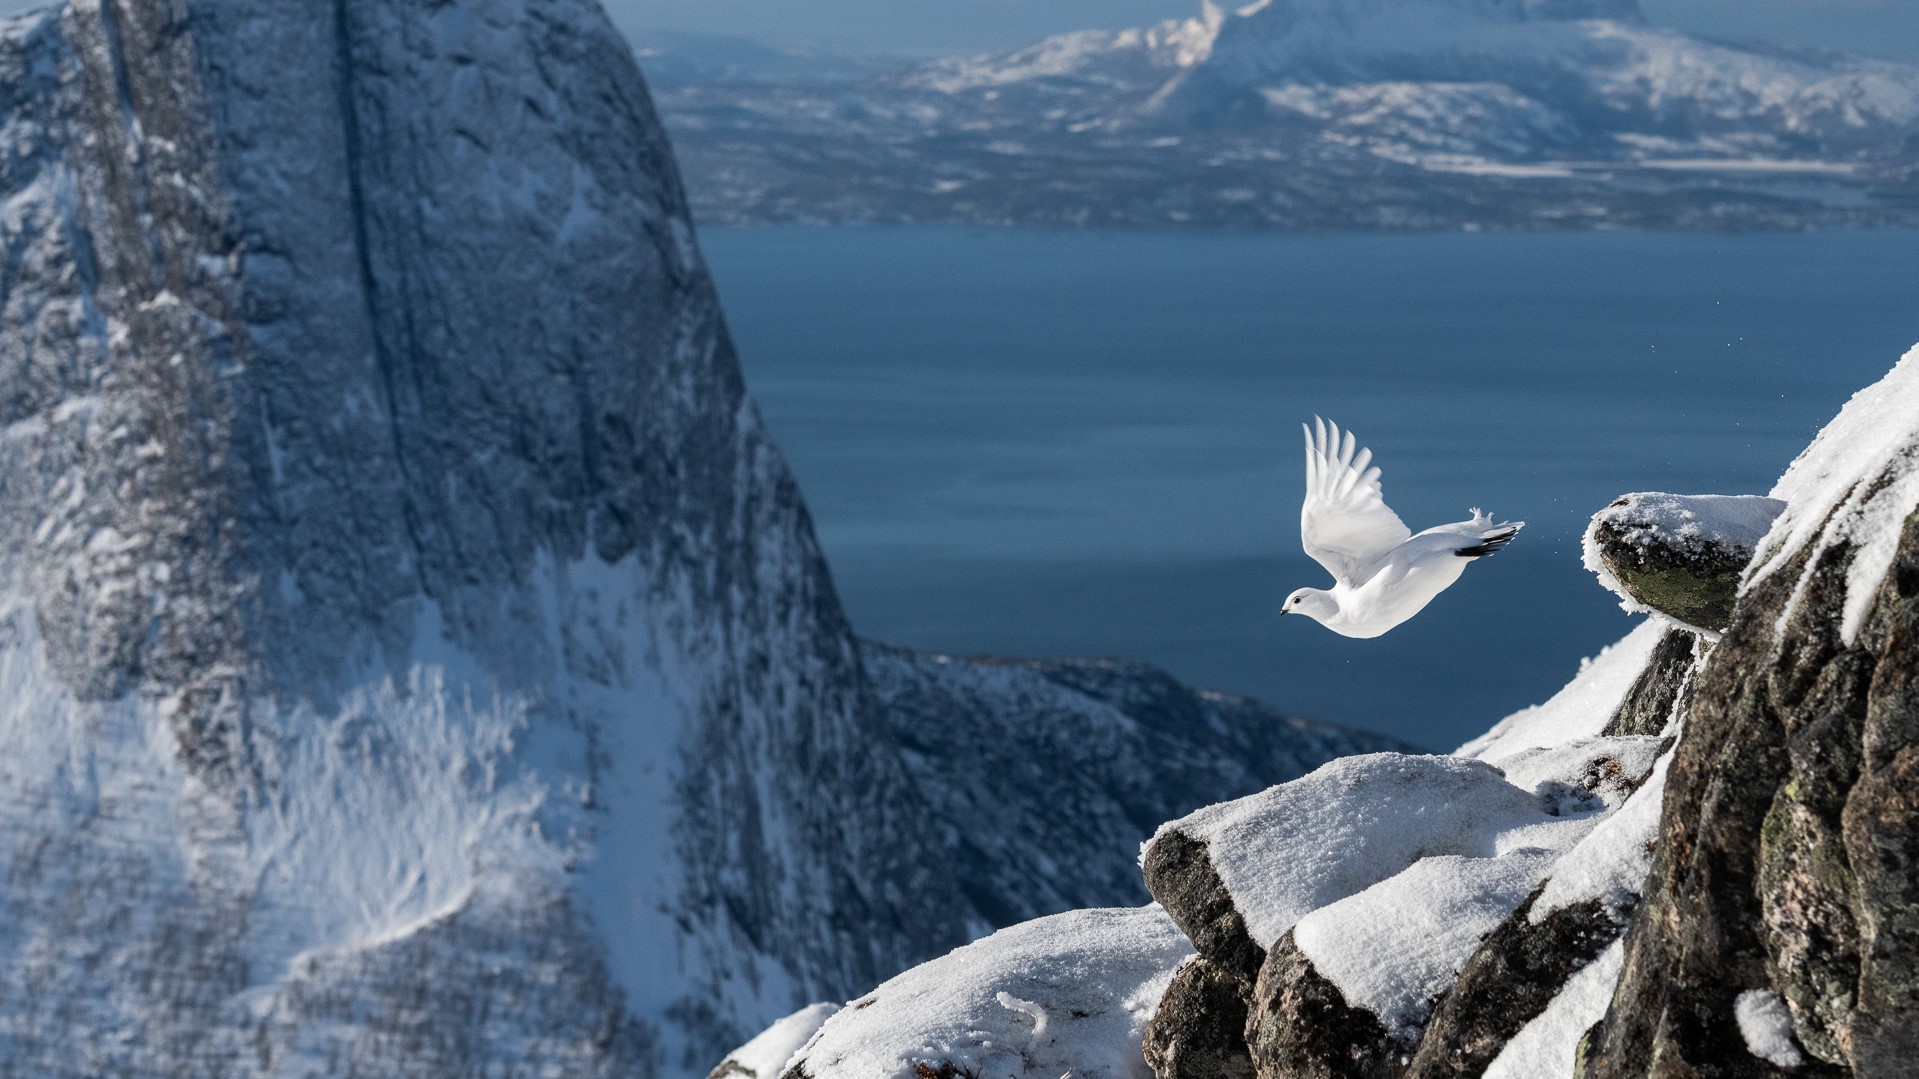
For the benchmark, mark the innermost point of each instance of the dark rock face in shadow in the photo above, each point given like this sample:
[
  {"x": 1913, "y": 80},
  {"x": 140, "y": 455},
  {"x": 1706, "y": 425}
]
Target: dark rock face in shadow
[
  {"x": 1655, "y": 695},
  {"x": 1183, "y": 880},
  {"x": 1199, "y": 1030},
  {"x": 1301, "y": 1027},
  {"x": 1508, "y": 982}
]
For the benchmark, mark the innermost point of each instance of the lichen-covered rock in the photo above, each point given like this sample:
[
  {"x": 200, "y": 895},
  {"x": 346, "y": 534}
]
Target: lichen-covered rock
[
  {"x": 1790, "y": 832},
  {"x": 1199, "y": 1030},
  {"x": 1301, "y": 1026},
  {"x": 1679, "y": 555}
]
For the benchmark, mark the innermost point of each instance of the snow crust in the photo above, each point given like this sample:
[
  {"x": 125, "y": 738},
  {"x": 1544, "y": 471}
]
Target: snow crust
[
  {"x": 766, "y": 1056},
  {"x": 1067, "y": 994},
  {"x": 1548, "y": 1045},
  {"x": 1861, "y": 474},
  {"x": 1353, "y": 823},
  {"x": 1580, "y": 710},
  {"x": 1766, "y": 1024},
  {"x": 1610, "y": 864},
  {"x": 1395, "y": 947}
]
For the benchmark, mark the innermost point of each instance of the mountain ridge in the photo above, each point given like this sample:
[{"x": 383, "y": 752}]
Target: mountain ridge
[{"x": 1400, "y": 114}]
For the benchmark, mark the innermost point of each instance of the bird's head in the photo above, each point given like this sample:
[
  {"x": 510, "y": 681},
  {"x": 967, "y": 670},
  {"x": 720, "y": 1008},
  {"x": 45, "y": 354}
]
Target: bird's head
[{"x": 1314, "y": 603}]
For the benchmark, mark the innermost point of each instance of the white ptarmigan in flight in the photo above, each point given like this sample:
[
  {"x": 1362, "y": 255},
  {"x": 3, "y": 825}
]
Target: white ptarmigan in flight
[{"x": 1383, "y": 573}]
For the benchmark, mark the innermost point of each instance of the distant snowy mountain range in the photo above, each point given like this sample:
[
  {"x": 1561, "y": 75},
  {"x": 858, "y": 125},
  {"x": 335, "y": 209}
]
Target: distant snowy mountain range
[{"x": 1310, "y": 113}]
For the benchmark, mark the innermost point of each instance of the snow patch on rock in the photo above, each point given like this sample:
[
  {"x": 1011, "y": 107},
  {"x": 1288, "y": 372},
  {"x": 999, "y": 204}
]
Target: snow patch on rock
[
  {"x": 1766, "y": 1024},
  {"x": 1069, "y": 993},
  {"x": 766, "y": 1056},
  {"x": 1395, "y": 947},
  {"x": 1300, "y": 846}
]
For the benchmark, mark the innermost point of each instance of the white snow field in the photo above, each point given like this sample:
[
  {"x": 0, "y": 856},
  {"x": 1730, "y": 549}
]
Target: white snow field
[
  {"x": 766, "y": 1056},
  {"x": 1065, "y": 994}
]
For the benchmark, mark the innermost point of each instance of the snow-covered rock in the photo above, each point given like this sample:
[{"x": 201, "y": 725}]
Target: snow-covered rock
[
  {"x": 767, "y": 1055},
  {"x": 1352, "y": 824},
  {"x": 1728, "y": 890},
  {"x": 1679, "y": 556},
  {"x": 1303, "y": 113},
  {"x": 1065, "y": 995},
  {"x": 1341, "y": 908}
]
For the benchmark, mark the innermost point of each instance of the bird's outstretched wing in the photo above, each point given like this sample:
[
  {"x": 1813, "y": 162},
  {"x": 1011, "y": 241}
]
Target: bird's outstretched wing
[{"x": 1345, "y": 524}]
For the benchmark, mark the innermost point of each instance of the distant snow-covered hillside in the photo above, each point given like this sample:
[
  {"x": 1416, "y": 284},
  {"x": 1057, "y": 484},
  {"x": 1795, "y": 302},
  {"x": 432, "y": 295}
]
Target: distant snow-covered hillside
[{"x": 1362, "y": 113}]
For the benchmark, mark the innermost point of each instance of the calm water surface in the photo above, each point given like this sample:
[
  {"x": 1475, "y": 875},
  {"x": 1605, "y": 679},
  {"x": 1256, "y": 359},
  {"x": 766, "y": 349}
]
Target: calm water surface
[{"x": 1050, "y": 444}]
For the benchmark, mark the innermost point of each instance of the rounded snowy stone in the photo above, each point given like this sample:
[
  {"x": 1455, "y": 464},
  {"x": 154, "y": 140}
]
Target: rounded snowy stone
[{"x": 1069, "y": 993}]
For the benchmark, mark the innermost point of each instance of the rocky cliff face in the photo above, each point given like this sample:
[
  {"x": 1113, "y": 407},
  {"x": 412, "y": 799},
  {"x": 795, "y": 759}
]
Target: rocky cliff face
[
  {"x": 414, "y": 657},
  {"x": 1790, "y": 840},
  {"x": 1698, "y": 859},
  {"x": 394, "y": 567}
]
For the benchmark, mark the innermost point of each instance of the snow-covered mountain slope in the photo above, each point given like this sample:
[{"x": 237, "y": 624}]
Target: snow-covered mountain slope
[
  {"x": 1385, "y": 113},
  {"x": 414, "y": 657},
  {"x": 1039, "y": 773},
  {"x": 1716, "y": 884}
]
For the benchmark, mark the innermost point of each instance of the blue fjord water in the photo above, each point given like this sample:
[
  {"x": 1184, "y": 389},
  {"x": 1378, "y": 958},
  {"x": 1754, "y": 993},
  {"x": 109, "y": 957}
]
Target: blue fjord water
[{"x": 1087, "y": 444}]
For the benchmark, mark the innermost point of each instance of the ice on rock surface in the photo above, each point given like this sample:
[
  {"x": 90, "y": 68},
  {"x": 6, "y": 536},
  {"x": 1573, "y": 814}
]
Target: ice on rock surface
[
  {"x": 1844, "y": 477},
  {"x": 1067, "y": 994}
]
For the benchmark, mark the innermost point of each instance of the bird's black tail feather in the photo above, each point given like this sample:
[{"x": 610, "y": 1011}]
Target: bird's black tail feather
[{"x": 1491, "y": 544}]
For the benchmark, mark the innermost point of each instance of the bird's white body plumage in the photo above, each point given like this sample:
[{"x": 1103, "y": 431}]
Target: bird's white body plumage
[{"x": 1383, "y": 573}]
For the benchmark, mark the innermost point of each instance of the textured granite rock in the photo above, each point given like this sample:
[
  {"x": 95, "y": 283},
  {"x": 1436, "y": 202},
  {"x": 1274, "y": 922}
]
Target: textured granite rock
[
  {"x": 1655, "y": 698},
  {"x": 1789, "y": 834},
  {"x": 1301, "y": 1027},
  {"x": 1199, "y": 1028},
  {"x": 1508, "y": 982}
]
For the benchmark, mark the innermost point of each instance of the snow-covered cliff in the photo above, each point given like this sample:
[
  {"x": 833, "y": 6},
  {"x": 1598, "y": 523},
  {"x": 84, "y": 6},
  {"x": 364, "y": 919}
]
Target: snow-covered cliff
[
  {"x": 1694, "y": 861},
  {"x": 414, "y": 657}
]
